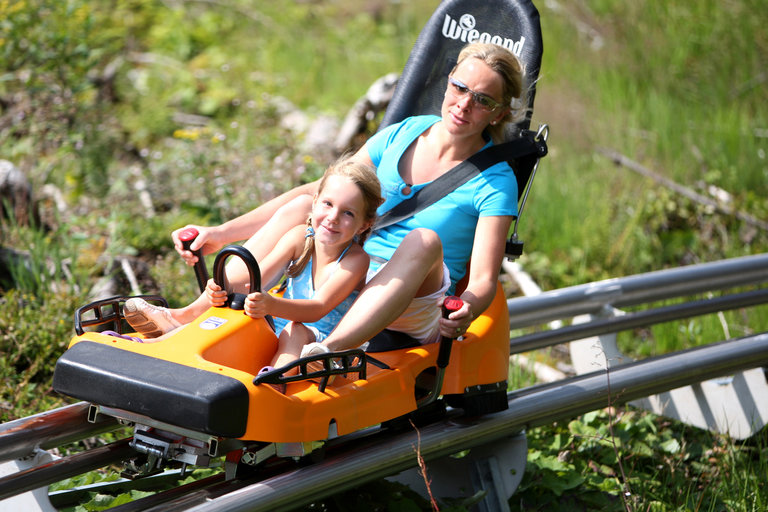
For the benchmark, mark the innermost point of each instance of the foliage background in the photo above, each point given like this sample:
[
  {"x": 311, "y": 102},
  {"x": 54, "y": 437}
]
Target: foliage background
[{"x": 133, "y": 117}]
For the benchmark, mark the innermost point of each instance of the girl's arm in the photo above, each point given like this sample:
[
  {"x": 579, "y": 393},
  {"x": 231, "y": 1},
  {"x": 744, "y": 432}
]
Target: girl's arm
[
  {"x": 271, "y": 267},
  {"x": 349, "y": 276},
  {"x": 487, "y": 255}
]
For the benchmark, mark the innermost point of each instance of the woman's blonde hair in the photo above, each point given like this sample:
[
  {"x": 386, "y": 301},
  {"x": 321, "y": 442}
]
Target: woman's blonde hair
[
  {"x": 509, "y": 68},
  {"x": 362, "y": 175}
]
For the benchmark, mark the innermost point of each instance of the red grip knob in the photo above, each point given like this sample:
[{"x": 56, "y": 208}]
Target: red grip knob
[
  {"x": 452, "y": 303},
  {"x": 188, "y": 234}
]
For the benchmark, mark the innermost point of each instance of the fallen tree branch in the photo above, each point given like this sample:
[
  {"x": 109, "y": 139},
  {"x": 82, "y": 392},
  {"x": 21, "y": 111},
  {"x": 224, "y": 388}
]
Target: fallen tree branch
[{"x": 624, "y": 161}]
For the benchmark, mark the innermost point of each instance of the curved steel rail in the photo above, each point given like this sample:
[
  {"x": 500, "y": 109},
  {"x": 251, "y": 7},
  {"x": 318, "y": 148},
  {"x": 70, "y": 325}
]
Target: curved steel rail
[
  {"x": 65, "y": 467},
  {"x": 528, "y": 407},
  {"x": 376, "y": 456},
  {"x": 20, "y": 438},
  {"x": 637, "y": 289}
]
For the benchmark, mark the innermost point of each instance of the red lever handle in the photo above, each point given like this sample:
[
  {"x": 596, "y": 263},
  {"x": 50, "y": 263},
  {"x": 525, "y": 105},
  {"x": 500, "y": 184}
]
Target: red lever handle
[{"x": 450, "y": 304}]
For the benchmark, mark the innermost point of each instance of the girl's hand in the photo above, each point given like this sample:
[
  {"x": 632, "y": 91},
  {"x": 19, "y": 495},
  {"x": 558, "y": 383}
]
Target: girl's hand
[
  {"x": 215, "y": 294},
  {"x": 257, "y": 304},
  {"x": 457, "y": 322},
  {"x": 205, "y": 240}
]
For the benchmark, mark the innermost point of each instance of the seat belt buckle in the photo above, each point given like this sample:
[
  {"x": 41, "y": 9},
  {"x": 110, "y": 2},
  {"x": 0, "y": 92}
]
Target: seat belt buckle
[{"x": 513, "y": 248}]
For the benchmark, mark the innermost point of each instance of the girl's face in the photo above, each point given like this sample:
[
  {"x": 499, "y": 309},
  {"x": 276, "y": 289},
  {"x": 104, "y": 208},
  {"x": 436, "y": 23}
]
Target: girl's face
[
  {"x": 461, "y": 112},
  {"x": 338, "y": 212}
]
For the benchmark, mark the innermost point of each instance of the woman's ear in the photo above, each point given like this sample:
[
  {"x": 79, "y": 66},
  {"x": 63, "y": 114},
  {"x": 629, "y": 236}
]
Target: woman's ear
[{"x": 500, "y": 116}]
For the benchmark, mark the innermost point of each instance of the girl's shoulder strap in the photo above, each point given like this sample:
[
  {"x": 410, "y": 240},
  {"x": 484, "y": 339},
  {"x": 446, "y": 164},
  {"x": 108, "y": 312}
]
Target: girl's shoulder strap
[{"x": 344, "y": 252}]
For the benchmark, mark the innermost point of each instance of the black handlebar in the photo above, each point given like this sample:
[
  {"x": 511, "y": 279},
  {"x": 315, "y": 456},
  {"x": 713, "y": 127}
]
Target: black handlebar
[
  {"x": 237, "y": 300},
  {"x": 186, "y": 237}
]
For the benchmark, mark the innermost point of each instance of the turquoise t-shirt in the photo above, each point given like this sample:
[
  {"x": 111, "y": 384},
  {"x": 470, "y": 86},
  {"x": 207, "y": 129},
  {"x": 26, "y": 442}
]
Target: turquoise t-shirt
[{"x": 454, "y": 217}]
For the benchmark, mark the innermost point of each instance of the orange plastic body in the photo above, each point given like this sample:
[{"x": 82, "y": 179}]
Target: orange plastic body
[{"x": 227, "y": 342}]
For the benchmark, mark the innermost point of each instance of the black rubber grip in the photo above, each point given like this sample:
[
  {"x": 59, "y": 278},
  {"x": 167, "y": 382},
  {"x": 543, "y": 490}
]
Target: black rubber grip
[{"x": 201, "y": 271}]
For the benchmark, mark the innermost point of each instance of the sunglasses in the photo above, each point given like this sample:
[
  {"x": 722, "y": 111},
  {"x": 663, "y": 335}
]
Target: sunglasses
[{"x": 459, "y": 90}]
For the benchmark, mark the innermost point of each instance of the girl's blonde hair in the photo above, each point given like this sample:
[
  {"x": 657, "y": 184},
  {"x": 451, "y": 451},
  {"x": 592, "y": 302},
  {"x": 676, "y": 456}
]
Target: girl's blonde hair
[
  {"x": 509, "y": 68},
  {"x": 366, "y": 180}
]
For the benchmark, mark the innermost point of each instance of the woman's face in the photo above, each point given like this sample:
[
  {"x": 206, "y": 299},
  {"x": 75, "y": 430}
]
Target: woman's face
[{"x": 474, "y": 89}]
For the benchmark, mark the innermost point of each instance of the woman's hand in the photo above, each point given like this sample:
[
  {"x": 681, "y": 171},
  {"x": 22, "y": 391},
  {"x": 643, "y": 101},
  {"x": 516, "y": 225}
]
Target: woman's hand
[
  {"x": 216, "y": 295},
  {"x": 457, "y": 322},
  {"x": 258, "y": 304},
  {"x": 206, "y": 239}
]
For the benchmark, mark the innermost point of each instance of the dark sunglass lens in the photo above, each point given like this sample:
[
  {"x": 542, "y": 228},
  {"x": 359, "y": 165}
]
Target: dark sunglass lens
[{"x": 483, "y": 102}]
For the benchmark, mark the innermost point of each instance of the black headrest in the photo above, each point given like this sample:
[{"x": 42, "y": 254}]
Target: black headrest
[{"x": 510, "y": 23}]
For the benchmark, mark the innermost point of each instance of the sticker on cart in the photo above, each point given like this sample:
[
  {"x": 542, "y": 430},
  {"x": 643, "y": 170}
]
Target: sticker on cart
[{"x": 212, "y": 322}]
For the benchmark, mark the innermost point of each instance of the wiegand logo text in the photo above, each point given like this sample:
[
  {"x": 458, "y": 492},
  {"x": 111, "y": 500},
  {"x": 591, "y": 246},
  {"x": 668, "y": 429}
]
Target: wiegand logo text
[{"x": 465, "y": 31}]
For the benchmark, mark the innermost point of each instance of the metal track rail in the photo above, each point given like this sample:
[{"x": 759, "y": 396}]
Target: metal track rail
[
  {"x": 592, "y": 298},
  {"x": 645, "y": 318},
  {"x": 19, "y": 438},
  {"x": 65, "y": 467},
  {"x": 374, "y": 457},
  {"x": 172, "y": 499}
]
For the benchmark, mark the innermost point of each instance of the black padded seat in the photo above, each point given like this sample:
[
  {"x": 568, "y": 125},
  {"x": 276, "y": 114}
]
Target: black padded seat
[
  {"x": 388, "y": 340},
  {"x": 164, "y": 391},
  {"x": 510, "y": 23}
]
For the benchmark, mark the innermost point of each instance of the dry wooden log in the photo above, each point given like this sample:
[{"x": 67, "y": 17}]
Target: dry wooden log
[
  {"x": 624, "y": 161},
  {"x": 364, "y": 110}
]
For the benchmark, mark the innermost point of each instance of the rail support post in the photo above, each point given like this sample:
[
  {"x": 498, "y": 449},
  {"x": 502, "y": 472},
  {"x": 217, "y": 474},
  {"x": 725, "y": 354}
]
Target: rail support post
[
  {"x": 491, "y": 472},
  {"x": 35, "y": 500},
  {"x": 735, "y": 405}
]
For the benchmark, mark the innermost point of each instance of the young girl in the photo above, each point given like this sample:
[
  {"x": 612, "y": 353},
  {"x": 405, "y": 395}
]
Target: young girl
[{"x": 324, "y": 262}]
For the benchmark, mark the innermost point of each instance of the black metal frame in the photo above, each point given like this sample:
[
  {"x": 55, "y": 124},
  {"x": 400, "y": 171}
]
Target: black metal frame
[
  {"x": 346, "y": 362},
  {"x": 109, "y": 310}
]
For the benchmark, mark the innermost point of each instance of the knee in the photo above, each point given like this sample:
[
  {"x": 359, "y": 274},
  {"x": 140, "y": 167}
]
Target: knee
[
  {"x": 296, "y": 334},
  {"x": 424, "y": 242},
  {"x": 298, "y": 207}
]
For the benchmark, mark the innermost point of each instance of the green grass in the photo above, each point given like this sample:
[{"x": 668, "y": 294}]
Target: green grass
[{"x": 628, "y": 461}]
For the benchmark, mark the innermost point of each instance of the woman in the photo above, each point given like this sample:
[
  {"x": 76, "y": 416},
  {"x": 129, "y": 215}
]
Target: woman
[{"x": 409, "y": 275}]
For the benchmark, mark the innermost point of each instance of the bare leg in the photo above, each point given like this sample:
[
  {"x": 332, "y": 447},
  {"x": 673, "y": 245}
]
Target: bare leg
[
  {"x": 288, "y": 216},
  {"x": 415, "y": 270},
  {"x": 291, "y": 341},
  {"x": 291, "y": 214}
]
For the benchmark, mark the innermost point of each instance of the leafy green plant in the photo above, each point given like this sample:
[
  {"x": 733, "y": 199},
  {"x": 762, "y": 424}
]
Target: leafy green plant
[
  {"x": 667, "y": 466},
  {"x": 34, "y": 331}
]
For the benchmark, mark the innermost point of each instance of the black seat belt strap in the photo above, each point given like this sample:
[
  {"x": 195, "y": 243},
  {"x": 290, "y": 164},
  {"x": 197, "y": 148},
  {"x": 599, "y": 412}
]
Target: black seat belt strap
[{"x": 458, "y": 175}]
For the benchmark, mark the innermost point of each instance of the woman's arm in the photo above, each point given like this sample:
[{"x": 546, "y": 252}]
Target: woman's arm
[
  {"x": 212, "y": 238},
  {"x": 363, "y": 156},
  {"x": 487, "y": 255}
]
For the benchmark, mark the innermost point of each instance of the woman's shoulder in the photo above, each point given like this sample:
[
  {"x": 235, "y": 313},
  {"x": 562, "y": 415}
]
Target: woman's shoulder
[
  {"x": 412, "y": 124},
  {"x": 421, "y": 122}
]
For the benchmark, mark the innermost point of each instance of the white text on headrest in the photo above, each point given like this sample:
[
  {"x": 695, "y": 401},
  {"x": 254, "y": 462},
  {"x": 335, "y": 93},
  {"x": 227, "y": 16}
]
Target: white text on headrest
[{"x": 465, "y": 31}]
